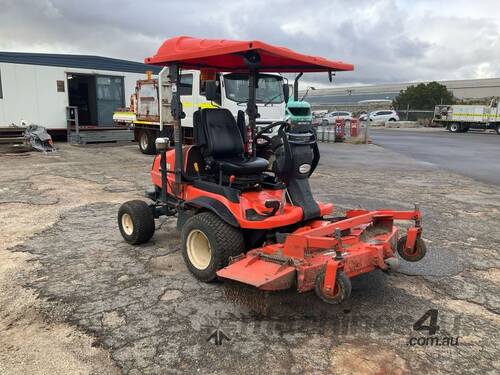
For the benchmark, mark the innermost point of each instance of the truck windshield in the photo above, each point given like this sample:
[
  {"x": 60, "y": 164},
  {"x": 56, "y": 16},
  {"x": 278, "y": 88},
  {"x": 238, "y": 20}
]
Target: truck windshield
[{"x": 270, "y": 88}]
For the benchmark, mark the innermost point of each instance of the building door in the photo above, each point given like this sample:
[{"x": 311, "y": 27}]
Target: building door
[
  {"x": 81, "y": 94},
  {"x": 110, "y": 96}
]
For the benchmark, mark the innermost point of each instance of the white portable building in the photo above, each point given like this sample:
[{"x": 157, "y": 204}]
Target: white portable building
[{"x": 37, "y": 88}]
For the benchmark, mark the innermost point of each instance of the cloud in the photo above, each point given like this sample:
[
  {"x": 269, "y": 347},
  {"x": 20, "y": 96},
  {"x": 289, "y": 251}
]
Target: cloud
[{"x": 387, "y": 41}]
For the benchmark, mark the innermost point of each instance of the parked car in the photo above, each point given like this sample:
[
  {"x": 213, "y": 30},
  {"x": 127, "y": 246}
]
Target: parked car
[
  {"x": 317, "y": 117},
  {"x": 385, "y": 115},
  {"x": 330, "y": 118},
  {"x": 363, "y": 116}
]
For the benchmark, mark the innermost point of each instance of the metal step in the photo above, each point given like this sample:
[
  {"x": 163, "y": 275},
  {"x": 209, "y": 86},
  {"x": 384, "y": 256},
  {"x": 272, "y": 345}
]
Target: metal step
[
  {"x": 98, "y": 136},
  {"x": 12, "y": 135}
]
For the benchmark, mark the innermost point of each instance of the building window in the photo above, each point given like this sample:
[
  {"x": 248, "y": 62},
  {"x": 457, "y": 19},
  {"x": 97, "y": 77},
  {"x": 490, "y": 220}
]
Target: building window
[{"x": 1, "y": 92}]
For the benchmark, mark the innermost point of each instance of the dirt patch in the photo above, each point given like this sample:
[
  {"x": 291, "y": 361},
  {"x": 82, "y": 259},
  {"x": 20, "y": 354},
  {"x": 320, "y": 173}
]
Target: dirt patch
[
  {"x": 489, "y": 198},
  {"x": 349, "y": 359},
  {"x": 113, "y": 319},
  {"x": 30, "y": 344},
  {"x": 34, "y": 347},
  {"x": 170, "y": 295},
  {"x": 167, "y": 265}
]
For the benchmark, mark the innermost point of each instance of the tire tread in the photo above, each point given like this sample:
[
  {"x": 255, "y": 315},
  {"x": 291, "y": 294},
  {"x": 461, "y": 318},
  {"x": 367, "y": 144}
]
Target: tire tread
[
  {"x": 143, "y": 219},
  {"x": 229, "y": 242}
]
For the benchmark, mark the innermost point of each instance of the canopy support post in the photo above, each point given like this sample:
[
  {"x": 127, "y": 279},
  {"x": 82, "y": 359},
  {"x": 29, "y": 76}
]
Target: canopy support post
[
  {"x": 177, "y": 115},
  {"x": 252, "y": 105}
]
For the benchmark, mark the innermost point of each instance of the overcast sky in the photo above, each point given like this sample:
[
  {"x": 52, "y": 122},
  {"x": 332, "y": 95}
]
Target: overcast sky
[{"x": 387, "y": 41}]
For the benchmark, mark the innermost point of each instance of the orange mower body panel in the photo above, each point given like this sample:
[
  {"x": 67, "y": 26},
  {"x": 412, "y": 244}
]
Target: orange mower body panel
[{"x": 247, "y": 200}]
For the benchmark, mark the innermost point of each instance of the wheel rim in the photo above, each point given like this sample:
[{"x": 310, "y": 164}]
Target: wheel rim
[
  {"x": 454, "y": 127},
  {"x": 127, "y": 224},
  {"x": 198, "y": 249},
  {"x": 144, "y": 141},
  {"x": 411, "y": 252},
  {"x": 334, "y": 293}
]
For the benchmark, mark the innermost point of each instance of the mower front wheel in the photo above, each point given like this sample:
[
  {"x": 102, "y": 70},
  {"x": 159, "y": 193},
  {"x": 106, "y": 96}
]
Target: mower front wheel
[
  {"x": 136, "y": 222},
  {"x": 412, "y": 255},
  {"x": 341, "y": 290},
  {"x": 207, "y": 243}
]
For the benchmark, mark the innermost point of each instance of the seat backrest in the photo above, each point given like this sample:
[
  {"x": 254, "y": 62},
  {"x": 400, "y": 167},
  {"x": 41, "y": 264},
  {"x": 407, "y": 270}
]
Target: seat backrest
[
  {"x": 222, "y": 136},
  {"x": 198, "y": 132}
]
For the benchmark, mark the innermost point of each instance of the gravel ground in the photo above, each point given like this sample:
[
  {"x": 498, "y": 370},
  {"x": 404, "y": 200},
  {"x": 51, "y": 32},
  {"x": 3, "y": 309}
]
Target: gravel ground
[{"x": 75, "y": 298}]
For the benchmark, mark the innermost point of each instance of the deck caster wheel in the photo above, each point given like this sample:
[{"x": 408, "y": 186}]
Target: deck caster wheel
[
  {"x": 207, "y": 243},
  {"x": 136, "y": 222},
  {"x": 341, "y": 291},
  {"x": 412, "y": 255}
]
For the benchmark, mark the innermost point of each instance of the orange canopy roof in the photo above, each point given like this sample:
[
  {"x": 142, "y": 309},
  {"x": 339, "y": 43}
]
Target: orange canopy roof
[{"x": 227, "y": 55}]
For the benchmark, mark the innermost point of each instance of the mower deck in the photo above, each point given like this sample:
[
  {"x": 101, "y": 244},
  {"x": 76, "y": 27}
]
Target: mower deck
[{"x": 357, "y": 244}]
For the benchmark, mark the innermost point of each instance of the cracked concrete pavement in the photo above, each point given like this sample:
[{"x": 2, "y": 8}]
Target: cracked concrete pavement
[{"x": 75, "y": 298}]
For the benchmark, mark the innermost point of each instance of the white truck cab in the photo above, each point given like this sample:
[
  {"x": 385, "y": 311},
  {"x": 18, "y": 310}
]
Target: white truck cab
[{"x": 232, "y": 91}]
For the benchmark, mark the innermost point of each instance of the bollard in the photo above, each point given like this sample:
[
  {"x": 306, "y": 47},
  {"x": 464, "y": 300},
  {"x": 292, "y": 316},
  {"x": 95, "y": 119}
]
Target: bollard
[
  {"x": 354, "y": 127},
  {"x": 339, "y": 129},
  {"x": 347, "y": 129},
  {"x": 327, "y": 134},
  {"x": 320, "y": 133}
]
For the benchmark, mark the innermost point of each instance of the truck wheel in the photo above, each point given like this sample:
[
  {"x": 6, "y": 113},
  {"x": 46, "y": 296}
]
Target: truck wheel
[
  {"x": 207, "y": 243},
  {"x": 136, "y": 222},
  {"x": 454, "y": 128},
  {"x": 341, "y": 291},
  {"x": 415, "y": 254},
  {"x": 146, "y": 142}
]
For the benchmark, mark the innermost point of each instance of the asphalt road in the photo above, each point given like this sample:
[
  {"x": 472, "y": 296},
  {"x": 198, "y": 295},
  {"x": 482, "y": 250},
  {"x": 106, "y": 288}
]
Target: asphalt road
[{"x": 473, "y": 154}]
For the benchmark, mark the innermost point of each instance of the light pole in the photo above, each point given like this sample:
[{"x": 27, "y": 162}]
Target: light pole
[{"x": 307, "y": 91}]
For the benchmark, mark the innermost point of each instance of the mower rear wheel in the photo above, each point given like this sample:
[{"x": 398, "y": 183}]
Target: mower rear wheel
[
  {"x": 136, "y": 222},
  {"x": 341, "y": 291},
  {"x": 207, "y": 243},
  {"x": 415, "y": 254}
]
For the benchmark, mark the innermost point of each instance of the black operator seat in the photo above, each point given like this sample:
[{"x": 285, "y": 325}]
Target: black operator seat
[{"x": 221, "y": 143}]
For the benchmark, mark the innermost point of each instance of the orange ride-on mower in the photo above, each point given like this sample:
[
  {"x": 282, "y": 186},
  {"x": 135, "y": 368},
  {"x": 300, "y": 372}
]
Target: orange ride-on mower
[{"x": 241, "y": 194}]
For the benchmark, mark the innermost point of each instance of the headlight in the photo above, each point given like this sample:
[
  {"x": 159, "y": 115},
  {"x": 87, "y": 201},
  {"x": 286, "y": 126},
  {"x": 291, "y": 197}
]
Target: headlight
[
  {"x": 304, "y": 168},
  {"x": 261, "y": 141}
]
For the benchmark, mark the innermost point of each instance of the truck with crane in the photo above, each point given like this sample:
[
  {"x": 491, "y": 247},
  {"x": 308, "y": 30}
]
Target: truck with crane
[{"x": 143, "y": 115}]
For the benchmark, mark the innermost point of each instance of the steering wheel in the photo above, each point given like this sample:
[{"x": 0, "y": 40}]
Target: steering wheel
[{"x": 260, "y": 134}]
